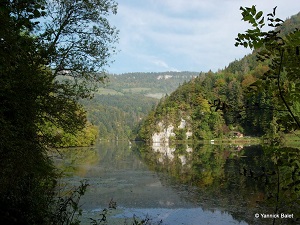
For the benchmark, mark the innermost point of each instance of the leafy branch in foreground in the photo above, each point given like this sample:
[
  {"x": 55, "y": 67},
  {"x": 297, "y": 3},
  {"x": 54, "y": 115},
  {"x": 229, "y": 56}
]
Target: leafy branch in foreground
[
  {"x": 281, "y": 52},
  {"x": 68, "y": 211}
]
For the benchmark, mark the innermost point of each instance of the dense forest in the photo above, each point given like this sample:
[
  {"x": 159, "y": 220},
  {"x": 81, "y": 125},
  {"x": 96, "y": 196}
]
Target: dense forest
[
  {"x": 213, "y": 104},
  {"x": 120, "y": 103},
  {"x": 242, "y": 99},
  {"x": 150, "y": 84},
  {"x": 53, "y": 55},
  {"x": 116, "y": 116},
  {"x": 118, "y": 106}
]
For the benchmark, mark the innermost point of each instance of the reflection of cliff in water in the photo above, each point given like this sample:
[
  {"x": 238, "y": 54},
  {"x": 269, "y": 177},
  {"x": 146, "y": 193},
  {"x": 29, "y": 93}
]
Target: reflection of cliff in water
[{"x": 240, "y": 180}]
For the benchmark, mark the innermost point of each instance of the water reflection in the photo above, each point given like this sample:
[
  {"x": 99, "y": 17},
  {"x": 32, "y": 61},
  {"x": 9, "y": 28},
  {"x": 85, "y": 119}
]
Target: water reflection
[
  {"x": 190, "y": 184},
  {"x": 76, "y": 161},
  {"x": 242, "y": 180}
]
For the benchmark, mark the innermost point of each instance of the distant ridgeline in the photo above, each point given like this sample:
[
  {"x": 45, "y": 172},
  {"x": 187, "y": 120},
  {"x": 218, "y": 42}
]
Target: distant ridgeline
[
  {"x": 154, "y": 85},
  {"x": 221, "y": 104},
  {"x": 122, "y": 102},
  {"x": 185, "y": 105}
]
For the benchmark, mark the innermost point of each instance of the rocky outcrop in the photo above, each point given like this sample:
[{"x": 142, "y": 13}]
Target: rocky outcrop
[
  {"x": 164, "y": 135},
  {"x": 167, "y": 131}
]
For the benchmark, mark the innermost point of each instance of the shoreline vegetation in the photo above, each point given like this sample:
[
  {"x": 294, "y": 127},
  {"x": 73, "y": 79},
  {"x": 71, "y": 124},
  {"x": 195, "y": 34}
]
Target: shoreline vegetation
[
  {"x": 49, "y": 65},
  {"x": 287, "y": 140}
]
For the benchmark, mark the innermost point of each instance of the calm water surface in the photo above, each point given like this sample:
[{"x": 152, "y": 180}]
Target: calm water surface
[{"x": 200, "y": 184}]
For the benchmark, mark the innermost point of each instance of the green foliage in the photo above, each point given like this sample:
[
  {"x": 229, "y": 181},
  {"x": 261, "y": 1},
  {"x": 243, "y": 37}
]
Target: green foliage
[
  {"x": 181, "y": 134},
  {"x": 66, "y": 208},
  {"x": 281, "y": 181},
  {"x": 117, "y": 116},
  {"x": 149, "y": 83},
  {"x": 249, "y": 95},
  {"x": 230, "y": 173},
  {"x": 119, "y": 106},
  {"x": 41, "y": 42},
  {"x": 60, "y": 138},
  {"x": 281, "y": 52},
  {"x": 188, "y": 103},
  {"x": 90, "y": 39}
]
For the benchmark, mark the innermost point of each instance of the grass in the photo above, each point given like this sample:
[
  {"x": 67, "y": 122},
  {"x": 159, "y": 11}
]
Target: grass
[
  {"x": 155, "y": 95},
  {"x": 136, "y": 90},
  {"x": 107, "y": 91}
]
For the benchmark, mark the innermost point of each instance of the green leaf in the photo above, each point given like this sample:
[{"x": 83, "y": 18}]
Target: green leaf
[
  {"x": 274, "y": 11},
  {"x": 258, "y": 15},
  {"x": 253, "y": 10},
  {"x": 262, "y": 21},
  {"x": 247, "y": 18}
]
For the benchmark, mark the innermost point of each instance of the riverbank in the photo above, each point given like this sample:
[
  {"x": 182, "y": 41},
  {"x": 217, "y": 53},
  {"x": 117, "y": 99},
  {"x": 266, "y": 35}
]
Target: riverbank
[
  {"x": 237, "y": 140},
  {"x": 292, "y": 139}
]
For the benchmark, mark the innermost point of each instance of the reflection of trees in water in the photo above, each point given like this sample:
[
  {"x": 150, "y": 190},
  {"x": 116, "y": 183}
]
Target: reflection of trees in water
[
  {"x": 114, "y": 155},
  {"x": 243, "y": 181},
  {"x": 281, "y": 183},
  {"x": 74, "y": 158}
]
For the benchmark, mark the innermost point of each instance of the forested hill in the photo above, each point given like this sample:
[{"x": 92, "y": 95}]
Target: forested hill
[
  {"x": 149, "y": 84},
  {"x": 227, "y": 103},
  {"x": 121, "y": 103}
]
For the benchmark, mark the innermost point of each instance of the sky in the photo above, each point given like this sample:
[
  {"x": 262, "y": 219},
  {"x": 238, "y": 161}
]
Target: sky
[{"x": 184, "y": 35}]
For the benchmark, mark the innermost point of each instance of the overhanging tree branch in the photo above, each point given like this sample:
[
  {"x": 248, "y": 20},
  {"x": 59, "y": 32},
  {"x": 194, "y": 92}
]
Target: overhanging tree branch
[{"x": 280, "y": 90}]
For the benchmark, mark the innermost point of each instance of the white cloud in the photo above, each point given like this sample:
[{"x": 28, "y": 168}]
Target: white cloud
[
  {"x": 163, "y": 65},
  {"x": 193, "y": 35},
  {"x": 180, "y": 6}
]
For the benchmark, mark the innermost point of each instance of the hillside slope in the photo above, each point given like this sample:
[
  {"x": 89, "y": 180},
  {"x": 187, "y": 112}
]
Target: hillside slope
[
  {"x": 121, "y": 103},
  {"x": 223, "y": 104}
]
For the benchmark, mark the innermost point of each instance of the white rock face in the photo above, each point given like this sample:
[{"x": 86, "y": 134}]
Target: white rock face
[
  {"x": 168, "y": 153},
  {"x": 164, "y": 77},
  {"x": 182, "y": 124},
  {"x": 156, "y": 138},
  {"x": 165, "y": 133},
  {"x": 182, "y": 159},
  {"x": 164, "y": 150},
  {"x": 189, "y": 149},
  {"x": 189, "y": 134}
]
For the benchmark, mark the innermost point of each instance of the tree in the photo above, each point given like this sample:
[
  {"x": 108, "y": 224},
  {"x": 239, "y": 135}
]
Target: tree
[
  {"x": 45, "y": 66},
  {"x": 78, "y": 39},
  {"x": 281, "y": 52}
]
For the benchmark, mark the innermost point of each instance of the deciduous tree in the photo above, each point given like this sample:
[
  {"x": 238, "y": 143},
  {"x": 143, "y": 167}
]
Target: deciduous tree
[
  {"x": 281, "y": 51},
  {"x": 49, "y": 52}
]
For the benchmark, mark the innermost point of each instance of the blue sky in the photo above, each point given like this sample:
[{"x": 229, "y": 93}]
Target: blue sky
[{"x": 183, "y": 35}]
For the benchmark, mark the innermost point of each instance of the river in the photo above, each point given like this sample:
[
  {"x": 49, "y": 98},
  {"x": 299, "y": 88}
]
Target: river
[{"x": 184, "y": 184}]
